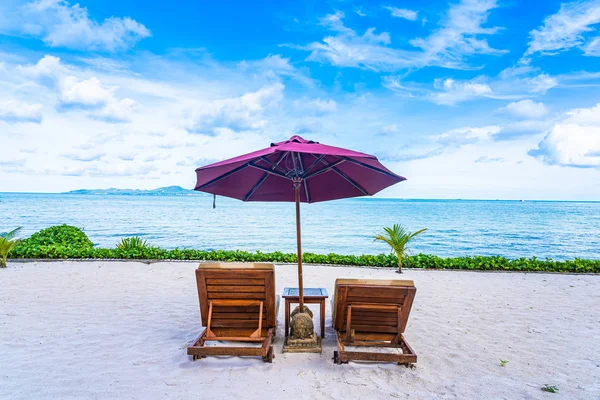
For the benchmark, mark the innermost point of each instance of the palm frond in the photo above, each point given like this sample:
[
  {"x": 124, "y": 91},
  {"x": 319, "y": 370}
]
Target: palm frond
[
  {"x": 398, "y": 238},
  {"x": 7, "y": 243},
  {"x": 10, "y": 235}
]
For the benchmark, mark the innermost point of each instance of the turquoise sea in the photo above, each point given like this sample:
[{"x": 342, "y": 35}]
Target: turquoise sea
[{"x": 559, "y": 230}]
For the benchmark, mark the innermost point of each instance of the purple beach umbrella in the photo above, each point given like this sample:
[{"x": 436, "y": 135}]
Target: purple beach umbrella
[{"x": 296, "y": 170}]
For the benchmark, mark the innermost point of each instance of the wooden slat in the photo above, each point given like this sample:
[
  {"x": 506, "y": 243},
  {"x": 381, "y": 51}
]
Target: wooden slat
[
  {"x": 374, "y": 328},
  {"x": 235, "y": 281},
  {"x": 224, "y": 351},
  {"x": 382, "y": 308},
  {"x": 375, "y": 300},
  {"x": 374, "y": 321},
  {"x": 341, "y": 304},
  {"x": 235, "y": 289},
  {"x": 251, "y": 316},
  {"x": 406, "y": 309},
  {"x": 256, "y": 296},
  {"x": 239, "y": 323},
  {"x": 234, "y": 273},
  {"x": 393, "y": 292},
  {"x": 369, "y": 314},
  {"x": 236, "y": 303},
  {"x": 373, "y": 336},
  {"x": 270, "y": 309},
  {"x": 239, "y": 309},
  {"x": 229, "y": 332},
  {"x": 384, "y": 357}
]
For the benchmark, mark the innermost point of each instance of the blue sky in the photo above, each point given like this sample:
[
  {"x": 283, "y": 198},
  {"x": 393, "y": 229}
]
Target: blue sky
[{"x": 467, "y": 99}]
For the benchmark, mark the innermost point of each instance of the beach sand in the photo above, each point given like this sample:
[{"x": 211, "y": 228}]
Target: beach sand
[{"x": 106, "y": 330}]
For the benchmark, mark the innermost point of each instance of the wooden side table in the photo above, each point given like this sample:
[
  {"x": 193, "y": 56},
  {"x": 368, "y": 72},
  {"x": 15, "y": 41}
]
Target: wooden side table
[{"x": 311, "y": 296}]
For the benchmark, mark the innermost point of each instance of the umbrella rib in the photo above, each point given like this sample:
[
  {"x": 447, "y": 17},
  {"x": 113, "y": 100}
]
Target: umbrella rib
[
  {"x": 351, "y": 181},
  {"x": 264, "y": 178},
  {"x": 315, "y": 162},
  {"x": 304, "y": 180},
  {"x": 268, "y": 171},
  {"x": 370, "y": 167},
  {"x": 328, "y": 167},
  {"x": 274, "y": 166},
  {"x": 225, "y": 175},
  {"x": 343, "y": 175}
]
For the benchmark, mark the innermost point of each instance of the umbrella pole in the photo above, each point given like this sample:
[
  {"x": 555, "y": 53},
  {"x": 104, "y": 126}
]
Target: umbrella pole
[{"x": 299, "y": 243}]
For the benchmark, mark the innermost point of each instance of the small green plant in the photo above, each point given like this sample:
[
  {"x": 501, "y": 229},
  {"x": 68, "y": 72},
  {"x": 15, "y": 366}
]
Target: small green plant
[
  {"x": 503, "y": 363},
  {"x": 398, "y": 238},
  {"x": 549, "y": 388},
  {"x": 132, "y": 244},
  {"x": 7, "y": 243}
]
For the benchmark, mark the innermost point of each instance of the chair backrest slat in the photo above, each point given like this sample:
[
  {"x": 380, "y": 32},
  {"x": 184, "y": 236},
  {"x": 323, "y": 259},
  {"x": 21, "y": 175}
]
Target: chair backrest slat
[{"x": 234, "y": 282}]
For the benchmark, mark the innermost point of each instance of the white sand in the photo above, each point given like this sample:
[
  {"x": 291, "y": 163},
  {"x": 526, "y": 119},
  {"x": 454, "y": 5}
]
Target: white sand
[{"x": 106, "y": 330}]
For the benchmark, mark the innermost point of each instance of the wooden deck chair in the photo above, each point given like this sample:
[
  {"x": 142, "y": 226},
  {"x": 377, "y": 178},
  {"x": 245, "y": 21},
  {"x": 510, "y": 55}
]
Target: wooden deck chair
[
  {"x": 372, "y": 313},
  {"x": 237, "y": 304}
]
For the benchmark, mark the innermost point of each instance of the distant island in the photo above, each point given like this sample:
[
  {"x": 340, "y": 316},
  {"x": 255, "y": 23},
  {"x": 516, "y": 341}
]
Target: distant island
[{"x": 163, "y": 191}]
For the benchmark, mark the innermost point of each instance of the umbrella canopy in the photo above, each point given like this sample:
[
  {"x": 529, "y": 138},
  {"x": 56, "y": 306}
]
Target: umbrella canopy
[
  {"x": 296, "y": 170},
  {"x": 325, "y": 172}
]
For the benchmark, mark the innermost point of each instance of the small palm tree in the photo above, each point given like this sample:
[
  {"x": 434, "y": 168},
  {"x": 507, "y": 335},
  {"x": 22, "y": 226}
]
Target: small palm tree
[
  {"x": 7, "y": 242},
  {"x": 132, "y": 243},
  {"x": 398, "y": 238}
]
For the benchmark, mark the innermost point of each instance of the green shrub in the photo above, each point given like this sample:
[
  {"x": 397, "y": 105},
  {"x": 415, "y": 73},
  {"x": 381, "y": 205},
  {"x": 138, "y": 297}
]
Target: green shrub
[
  {"x": 30, "y": 248},
  {"x": 55, "y": 242},
  {"x": 61, "y": 235}
]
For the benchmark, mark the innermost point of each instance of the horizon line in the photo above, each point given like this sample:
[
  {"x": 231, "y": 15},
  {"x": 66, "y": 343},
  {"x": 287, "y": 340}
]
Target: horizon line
[{"x": 351, "y": 198}]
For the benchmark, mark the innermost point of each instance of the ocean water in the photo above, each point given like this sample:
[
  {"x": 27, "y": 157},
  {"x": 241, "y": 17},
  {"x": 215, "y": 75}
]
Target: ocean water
[{"x": 559, "y": 230}]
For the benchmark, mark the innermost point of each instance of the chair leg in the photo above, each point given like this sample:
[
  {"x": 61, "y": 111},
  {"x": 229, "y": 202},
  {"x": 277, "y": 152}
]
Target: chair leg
[{"x": 270, "y": 356}]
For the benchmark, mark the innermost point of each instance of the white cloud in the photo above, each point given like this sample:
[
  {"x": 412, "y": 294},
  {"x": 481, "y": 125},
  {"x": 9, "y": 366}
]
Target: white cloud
[
  {"x": 584, "y": 116},
  {"x": 47, "y": 66},
  {"x": 389, "y": 129},
  {"x": 117, "y": 110},
  {"x": 325, "y": 106},
  {"x": 486, "y": 159},
  {"x": 526, "y": 109},
  {"x": 16, "y": 111},
  {"x": 452, "y": 92},
  {"x": 87, "y": 92},
  {"x": 276, "y": 66},
  {"x": 60, "y": 24},
  {"x": 316, "y": 106},
  {"x": 402, "y": 13},
  {"x": 447, "y": 142},
  {"x": 565, "y": 29},
  {"x": 459, "y": 34},
  {"x": 244, "y": 112},
  {"x": 91, "y": 94},
  {"x": 360, "y": 12},
  {"x": 449, "y": 46},
  {"x": 593, "y": 47},
  {"x": 541, "y": 83},
  {"x": 467, "y": 135},
  {"x": 574, "y": 141}
]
